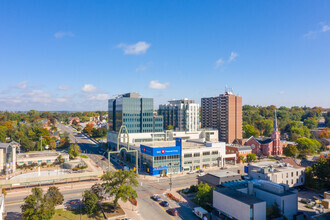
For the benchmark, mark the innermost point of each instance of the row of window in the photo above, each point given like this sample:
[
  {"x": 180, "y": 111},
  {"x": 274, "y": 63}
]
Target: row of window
[{"x": 206, "y": 153}]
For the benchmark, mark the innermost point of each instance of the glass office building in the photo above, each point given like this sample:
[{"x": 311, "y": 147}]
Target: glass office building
[{"x": 135, "y": 113}]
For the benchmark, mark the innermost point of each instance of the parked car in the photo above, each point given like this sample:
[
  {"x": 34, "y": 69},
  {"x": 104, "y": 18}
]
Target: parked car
[
  {"x": 191, "y": 172},
  {"x": 164, "y": 203},
  {"x": 201, "y": 174},
  {"x": 156, "y": 197},
  {"x": 103, "y": 158},
  {"x": 200, "y": 171},
  {"x": 223, "y": 168},
  {"x": 173, "y": 212}
]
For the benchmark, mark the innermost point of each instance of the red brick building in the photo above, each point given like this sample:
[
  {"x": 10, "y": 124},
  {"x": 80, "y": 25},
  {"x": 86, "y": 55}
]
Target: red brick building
[
  {"x": 267, "y": 146},
  {"x": 239, "y": 150}
]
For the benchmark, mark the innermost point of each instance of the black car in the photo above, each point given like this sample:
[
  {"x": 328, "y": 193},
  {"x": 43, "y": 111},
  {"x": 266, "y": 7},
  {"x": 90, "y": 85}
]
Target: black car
[{"x": 156, "y": 197}]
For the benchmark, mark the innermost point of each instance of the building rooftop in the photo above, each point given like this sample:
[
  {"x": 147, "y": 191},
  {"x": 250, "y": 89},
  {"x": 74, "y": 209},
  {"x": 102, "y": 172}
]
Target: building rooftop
[
  {"x": 185, "y": 144},
  {"x": 274, "y": 166},
  {"x": 238, "y": 195},
  {"x": 39, "y": 154},
  {"x": 223, "y": 173},
  {"x": 239, "y": 147}
]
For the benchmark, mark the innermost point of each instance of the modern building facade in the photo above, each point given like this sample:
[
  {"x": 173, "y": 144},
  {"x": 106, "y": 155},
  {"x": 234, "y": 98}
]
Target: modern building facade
[
  {"x": 267, "y": 146},
  {"x": 168, "y": 157},
  {"x": 278, "y": 172},
  {"x": 224, "y": 112},
  {"x": 183, "y": 115},
  {"x": 8, "y": 157},
  {"x": 134, "y": 112}
]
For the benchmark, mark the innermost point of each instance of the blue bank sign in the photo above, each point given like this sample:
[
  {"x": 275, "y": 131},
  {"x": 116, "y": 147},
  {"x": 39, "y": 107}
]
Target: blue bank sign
[{"x": 160, "y": 151}]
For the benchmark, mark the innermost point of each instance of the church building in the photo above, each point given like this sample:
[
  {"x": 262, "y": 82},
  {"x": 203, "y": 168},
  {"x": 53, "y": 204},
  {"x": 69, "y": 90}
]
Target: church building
[{"x": 267, "y": 146}]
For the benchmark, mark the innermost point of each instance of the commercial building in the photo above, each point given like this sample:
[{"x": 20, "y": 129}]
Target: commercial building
[
  {"x": 224, "y": 112},
  {"x": 134, "y": 112},
  {"x": 40, "y": 157},
  {"x": 136, "y": 139},
  {"x": 249, "y": 199},
  {"x": 215, "y": 179},
  {"x": 239, "y": 150},
  {"x": 167, "y": 157},
  {"x": 8, "y": 157},
  {"x": 183, "y": 115},
  {"x": 278, "y": 172},
  {"x": 267, "y": 146}
]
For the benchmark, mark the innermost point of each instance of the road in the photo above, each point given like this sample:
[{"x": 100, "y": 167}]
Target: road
[{"x": 147, "y": 208}]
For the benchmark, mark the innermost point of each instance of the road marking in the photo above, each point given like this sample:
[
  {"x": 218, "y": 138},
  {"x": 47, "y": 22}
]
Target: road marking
[{"x": 164, "y": 210}]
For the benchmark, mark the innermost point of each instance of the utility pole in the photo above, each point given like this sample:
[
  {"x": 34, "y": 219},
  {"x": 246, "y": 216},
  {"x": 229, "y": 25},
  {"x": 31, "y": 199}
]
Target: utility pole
[{"x": 170, "y": 183}]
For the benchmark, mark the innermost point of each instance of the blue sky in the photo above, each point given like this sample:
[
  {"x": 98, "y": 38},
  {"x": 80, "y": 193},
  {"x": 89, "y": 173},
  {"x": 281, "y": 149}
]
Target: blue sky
[{"x": 74, "y": 55}]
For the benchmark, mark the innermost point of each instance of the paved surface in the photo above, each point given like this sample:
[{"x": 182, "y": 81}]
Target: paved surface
[{"x": 149, "y": 185}]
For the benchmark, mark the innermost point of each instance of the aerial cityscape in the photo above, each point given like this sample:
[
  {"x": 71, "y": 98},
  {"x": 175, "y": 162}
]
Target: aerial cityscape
[{"x": 159, "y": 110}]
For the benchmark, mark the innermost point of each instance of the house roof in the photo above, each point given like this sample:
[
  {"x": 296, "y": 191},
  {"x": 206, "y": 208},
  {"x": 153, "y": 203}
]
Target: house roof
[
  {"x": 264, "y": 140},
  {"x": 290, "y": 161}
]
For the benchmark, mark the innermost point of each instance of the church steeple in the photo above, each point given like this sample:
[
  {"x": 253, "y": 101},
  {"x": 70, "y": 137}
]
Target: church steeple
[{"x": 275, "y": 122}]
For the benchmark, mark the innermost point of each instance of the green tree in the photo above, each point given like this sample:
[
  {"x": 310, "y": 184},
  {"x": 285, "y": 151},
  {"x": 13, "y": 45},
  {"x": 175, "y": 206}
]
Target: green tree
[
  {"x": 311, "y": 123},
  {"x": 307, "y": 146},
  {"x": 74, "y": 150},
  {"x": 290, "y": 151},
  {"x": 203, "y": 195},
  {"x": 90, "y": 201},
  {"x": 37, "y": 207},
  {"x": 120, "y": 185},
  {"x": 249, "y": 130},
  {"x": 54, "y": 195},
  {"x": 170, "y": 127},
  {"x": 98, "y": 190},
  {"x": 309, "y": 177},
  {"x": 241, "y": 158},
  {"x": 321, "y": 169},
  {"x": 251, "y": 157}
]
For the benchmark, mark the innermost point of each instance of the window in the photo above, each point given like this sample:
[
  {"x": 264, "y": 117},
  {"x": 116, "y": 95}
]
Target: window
[
  {"x": 287, "y": 182},
  {"x": 187, "y": 155},
  {"x": 287, "y": 175},
  {"x": 291, "y": 181},
  {"x": 206, "y": 153},
  {"x": 214, "y": 152},
  {"x": 297, "y": 173},
  {"x": 197, "y": 154},
  {"x": 291, "y": 174}
]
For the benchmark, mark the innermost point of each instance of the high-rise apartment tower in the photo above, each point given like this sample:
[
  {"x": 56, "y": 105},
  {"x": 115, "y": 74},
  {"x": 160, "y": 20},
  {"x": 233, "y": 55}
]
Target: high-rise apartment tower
[
  {"x": 183, "y": 115},
  {"x": 225, "y": 114}
]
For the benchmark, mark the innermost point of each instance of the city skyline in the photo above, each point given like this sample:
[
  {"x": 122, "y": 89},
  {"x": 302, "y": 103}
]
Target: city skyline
[{"x": 75, "y": 56}]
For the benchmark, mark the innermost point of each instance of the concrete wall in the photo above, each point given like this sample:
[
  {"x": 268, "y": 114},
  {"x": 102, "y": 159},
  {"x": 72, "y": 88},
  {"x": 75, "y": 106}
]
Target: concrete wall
[{"x": 238, "y": 209}]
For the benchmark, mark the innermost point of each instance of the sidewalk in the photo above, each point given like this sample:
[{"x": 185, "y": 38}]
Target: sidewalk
[{"x": 130, "y": 210}]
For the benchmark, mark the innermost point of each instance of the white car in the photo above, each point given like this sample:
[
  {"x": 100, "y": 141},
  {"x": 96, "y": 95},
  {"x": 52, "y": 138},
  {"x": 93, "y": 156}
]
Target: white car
[
  {"x": 191, "y": 172},
  {"x": 201, "y": 174}
]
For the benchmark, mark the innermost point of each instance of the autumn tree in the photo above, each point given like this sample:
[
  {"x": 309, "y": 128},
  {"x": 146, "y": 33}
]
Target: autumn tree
[{"x": 290, "y": 151}]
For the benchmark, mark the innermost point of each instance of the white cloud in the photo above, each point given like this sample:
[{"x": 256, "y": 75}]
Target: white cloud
[
  {"x": 61, "y": 100},
  {"x": 140, "y": 47},
  {"x": 21, "y": 85},
  {"x": 313, "y": 34},
  {"x": 63, "y": 87},
  {"x": 141, "y": 68},
  {"x": 38, "y": 96},
  {"x": 99, "y": 97},
  {"x": 154, "y": 84},
  {"x": 219, "y": 63},
  {"x": 61, "y": 34},
  {"x": 232, "y": 57},
  {"x": 325, "y": 28},
  {"x": 88, "y": 88}
]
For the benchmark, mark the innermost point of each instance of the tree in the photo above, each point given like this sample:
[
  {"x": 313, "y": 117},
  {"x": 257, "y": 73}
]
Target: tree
[
  {"x": 309, "y": 176},
  {"x": 54, "y": 195},
  {"x": 251, "y": 157},
  {"x": 204, "y": 194},
  {"x": 88, "y": 128},
  {"x": 311, "y": 123},
  {"x": 90, "y": 201},
  {"x": 98, "y": 190},
  {"x": 241, "y": 158},
  {"x": 290, "y": 151},
  {"x": 37, "y": 207},
  {"x": 307, "y": 146},
  {"x": 249, "y": 130},
  {"x": 74, "y": 150},
  {"x": 321, "y": 169},
  {"x": 170, "y": 127},
  {"x": 120, "y": 185},
  {"x": 325, "y": 133}
]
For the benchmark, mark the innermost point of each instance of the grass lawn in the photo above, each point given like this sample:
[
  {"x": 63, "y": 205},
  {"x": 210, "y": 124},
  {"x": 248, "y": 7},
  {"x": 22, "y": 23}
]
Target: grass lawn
[{"x": 74, "y": 215}]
